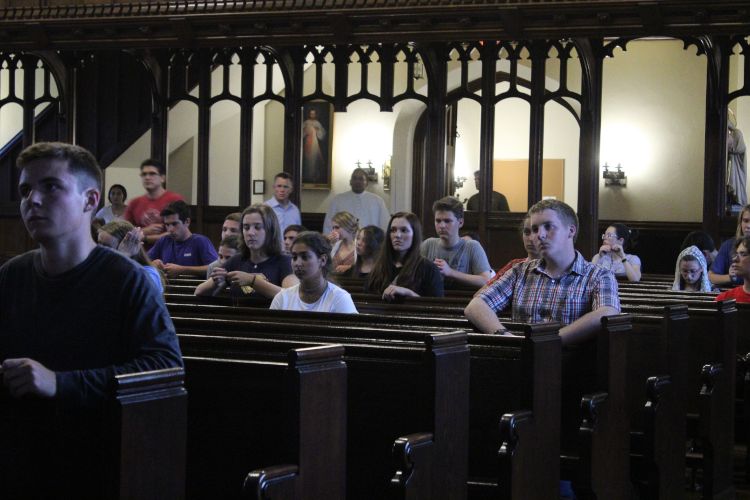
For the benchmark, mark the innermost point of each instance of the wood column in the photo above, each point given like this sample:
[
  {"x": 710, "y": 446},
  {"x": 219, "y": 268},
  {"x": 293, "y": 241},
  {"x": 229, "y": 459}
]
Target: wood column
[
  {"x": 247, "y": 60},
  {"x": 294, "y": 63},
  {"x": 590, "y": 51},
  {"x": 536, "y": 123},
  {"x": 715, "y": 157},
  {"x": 486, "y": 138},
  {"x": 436, "y": 182},
  {"x": 204, "y": 126}
]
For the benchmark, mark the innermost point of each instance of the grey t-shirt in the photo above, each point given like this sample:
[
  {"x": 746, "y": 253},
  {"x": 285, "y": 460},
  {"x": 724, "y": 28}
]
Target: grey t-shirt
[{"x": 467, "y": 256}]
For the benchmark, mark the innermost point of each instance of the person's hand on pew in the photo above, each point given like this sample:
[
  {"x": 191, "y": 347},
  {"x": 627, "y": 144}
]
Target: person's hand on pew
[
  {"x": 215, "y": 284},
  {"x": 174, "y": 270},
  {"x": 394, "y": 291},
  {"x": 219, "y": 276},
  {"x": 25, "y": 376},
  {"x": 587, "y": 326},
  {"x": 482, "y": 316},
  {"x": 240, "y": 278}
]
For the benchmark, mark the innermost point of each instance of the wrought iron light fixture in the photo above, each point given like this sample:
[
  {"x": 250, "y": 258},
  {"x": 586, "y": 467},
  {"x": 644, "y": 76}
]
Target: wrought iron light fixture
[{"x": 614, "y": 178}]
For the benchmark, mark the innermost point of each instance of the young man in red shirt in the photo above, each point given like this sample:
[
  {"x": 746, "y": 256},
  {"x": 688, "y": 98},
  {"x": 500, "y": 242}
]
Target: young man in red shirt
[
  {"x": 144, "y": 211},
  {"x": 741, "y": 262}
]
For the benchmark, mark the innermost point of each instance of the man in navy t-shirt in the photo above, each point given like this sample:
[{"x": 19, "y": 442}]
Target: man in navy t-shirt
[{"x": 181, "y": 252}]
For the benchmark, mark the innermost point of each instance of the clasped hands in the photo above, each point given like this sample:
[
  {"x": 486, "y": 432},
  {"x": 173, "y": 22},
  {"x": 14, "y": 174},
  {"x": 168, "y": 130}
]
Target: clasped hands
[
  {"x": 616, "y": 250},
  {"x": 222, "y": 278}
]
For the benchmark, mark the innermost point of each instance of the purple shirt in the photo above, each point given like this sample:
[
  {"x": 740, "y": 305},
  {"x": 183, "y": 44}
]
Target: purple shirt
[{"x": 194, "y": 251}]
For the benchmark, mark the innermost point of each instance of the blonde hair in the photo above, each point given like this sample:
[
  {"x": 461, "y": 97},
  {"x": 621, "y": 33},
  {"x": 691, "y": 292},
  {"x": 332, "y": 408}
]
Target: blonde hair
[{"x": 347, "y": 221}]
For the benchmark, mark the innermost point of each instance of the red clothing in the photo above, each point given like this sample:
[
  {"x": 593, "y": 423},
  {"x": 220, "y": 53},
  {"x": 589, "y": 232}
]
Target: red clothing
[
  {"x": 142, "y": 211},
  {"x": 504, "y": 270},
  {"x": 738, "y": 294}
]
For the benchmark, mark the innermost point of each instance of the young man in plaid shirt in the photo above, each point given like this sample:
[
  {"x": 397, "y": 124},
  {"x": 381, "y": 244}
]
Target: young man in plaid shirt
[{"x": 561, "y": 286}]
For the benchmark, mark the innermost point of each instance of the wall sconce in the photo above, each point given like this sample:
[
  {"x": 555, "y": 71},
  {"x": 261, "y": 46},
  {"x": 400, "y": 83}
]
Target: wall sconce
[
  {"x": 372, "y": 176},
  {"x": 458, "y": 183},
  {"x": 614, "y": 178},
  {"x": 387, "y": 174}
]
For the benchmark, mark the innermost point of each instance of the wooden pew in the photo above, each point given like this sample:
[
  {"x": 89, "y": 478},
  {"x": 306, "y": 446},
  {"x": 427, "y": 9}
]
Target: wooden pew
[
  {"x": 396, "y": 388},
  {"x": 494, "y": 359},
  {"x": 433, "y": 311},
  {"x": 146, "y": 430},
  {"x": 281, "y": 404}
]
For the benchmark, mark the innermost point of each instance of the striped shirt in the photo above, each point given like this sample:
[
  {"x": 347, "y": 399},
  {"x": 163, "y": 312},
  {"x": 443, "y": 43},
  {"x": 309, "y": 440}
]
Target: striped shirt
[{"x": 538, "y": 298}]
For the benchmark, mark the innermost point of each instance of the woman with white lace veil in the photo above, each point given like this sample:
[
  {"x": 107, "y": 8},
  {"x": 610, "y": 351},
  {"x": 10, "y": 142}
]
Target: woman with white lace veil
[{"x": 691, "y": 272}]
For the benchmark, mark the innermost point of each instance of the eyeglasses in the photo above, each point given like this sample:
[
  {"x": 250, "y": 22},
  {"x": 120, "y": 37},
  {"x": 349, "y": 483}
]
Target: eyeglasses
[
  {"x": 608, "y": 235},
  {"x": 690, "y": 272},
  {"x": 741, "y": 255},
  {"x": 149, "y": 174}
]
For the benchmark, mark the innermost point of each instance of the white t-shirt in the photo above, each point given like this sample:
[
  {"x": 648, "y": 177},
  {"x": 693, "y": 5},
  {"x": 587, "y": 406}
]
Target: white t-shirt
[
  {"x": 107, "y": 215},
  {"x": 333, "y": 300}
]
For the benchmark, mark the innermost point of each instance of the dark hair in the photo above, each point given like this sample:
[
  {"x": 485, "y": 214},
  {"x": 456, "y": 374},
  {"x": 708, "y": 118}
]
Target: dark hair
[
  {"x": 746, "y": 208},
  {"x": 118, "y": 229},
  {"x": 284, "y": 175},
  {"x": 179, "y": 208},
  {"x": 232, "y": 241},
  {"x": 566, "y": 214},
  {"x": 153, "y": 162},
  {"x": 520, "y": 226},
  {"x": 320, "y": 246},
  {"x": 361, "y": 171},
  {"x": 410, "y": 275},
  {"x": 81, "y": 163},
  {"x": 294, "y": 227},
  {"x": 449, "y": 204},
  {"x": 472, "y": 235},
  {"x": 742, "y": 240},
  {"x": 235, "y": 217},
  {"x": 373, "y": 239},
  {"x": 477, "y": 172},
  {"x": 121, "y": 188},
  {"x": 627, "y": 235},
  {"x": 272, "y": 245},
  {"x": 700, "y": 240}
]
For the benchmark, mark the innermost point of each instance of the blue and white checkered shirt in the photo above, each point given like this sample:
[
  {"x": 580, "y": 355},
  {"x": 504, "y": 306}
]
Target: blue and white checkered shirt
[{"x": 538, "y": 298}]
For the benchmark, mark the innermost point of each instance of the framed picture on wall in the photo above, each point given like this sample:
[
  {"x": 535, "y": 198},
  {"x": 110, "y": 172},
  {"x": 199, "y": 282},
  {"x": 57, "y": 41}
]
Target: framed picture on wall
[{"x": 317, "y": 145}]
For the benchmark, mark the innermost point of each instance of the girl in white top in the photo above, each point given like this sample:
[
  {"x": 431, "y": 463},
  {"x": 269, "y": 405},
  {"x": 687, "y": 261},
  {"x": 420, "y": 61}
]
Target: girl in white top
[
  {"x": 116, "y": 211},
  {"x": 612, "y": 254},
  {"x": 311, "y": 261}
]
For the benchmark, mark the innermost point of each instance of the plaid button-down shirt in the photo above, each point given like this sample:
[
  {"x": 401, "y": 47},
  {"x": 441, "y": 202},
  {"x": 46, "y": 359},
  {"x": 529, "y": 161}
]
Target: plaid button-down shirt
[{"x": 538, "y": 298}]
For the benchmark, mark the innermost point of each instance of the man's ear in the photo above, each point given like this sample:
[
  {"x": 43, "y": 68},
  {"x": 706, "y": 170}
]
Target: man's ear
[
  {"x": 187, "y": 221},
  {"x": 460, "y": 223},
  {"x": 324, "y": 260},
  {"x": 572, "y": 231},
  {"x": 92, "y": 196}
]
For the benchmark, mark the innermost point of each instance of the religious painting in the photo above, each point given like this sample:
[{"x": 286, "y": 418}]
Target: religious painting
[{"x": 317, "y": 145}]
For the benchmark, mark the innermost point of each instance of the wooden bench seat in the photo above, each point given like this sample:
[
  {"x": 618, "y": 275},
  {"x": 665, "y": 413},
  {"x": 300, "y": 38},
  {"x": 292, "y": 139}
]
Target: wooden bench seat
[{"x": 282, "y": 409}]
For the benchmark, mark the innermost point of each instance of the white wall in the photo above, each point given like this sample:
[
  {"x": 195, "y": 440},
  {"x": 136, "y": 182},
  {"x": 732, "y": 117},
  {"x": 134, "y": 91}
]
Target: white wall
[
  {"x": 653, "y": 116},
  {"x": 652, "y": 122}
]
